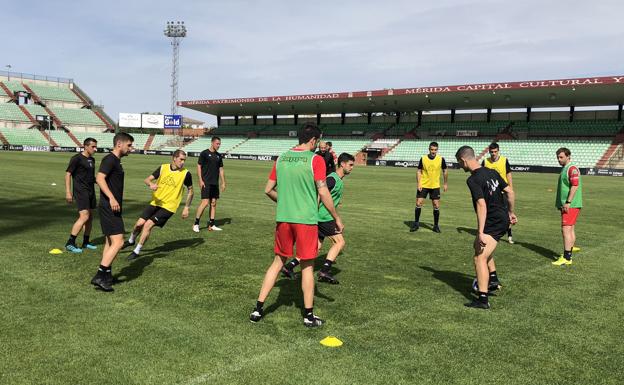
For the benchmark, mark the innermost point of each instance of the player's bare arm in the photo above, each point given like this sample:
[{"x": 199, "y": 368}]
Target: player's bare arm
[
  {"x": 187, "y": 203},
  {"x": 222, "y": 178},
  {"x": 328, "y": 202},
  {"x": 149, "y": 181},
  {"x": 199, "y": 175},
  {"x": 511, "y": 201},
  {"x": 68, "y": 194},
  {"x": 445, "y": 179},
  {"x": 418, "y": 178},
  {"x": 100, "y": 179},
  {"x": 270, "y": 191},
  {"x": 481, "y": 215}
]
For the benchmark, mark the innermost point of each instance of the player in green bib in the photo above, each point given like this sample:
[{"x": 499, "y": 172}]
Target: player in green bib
[
  {"x": 296, "y": 183},
  {"x": 326, "y": 224},
  {"x": 569, "y": 202}
]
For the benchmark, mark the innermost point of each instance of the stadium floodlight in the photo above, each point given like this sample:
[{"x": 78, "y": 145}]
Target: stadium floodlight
[{"x": 176, "y": 31}]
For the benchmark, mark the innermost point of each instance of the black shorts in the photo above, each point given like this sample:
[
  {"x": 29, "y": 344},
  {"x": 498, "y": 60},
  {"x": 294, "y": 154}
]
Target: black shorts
[
  {"x": 111, "y": 222},
  {"x": 85, "y": 200},
  {"x": 496, "y": 227},
  {"x": 326, "y": 229},
  {"x": 210, "y": 191},
  {"x": 157, "y": 214},
  {"x": 434, "y": 193}
]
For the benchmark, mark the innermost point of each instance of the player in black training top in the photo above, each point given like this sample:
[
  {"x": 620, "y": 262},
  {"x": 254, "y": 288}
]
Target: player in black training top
[
  {"x": 110, "y": 178},
  {"x": 209, "y": 171},
  {"x": 81, "y": 171},
  {"x": 324, "y": 152},
  {"x": 494, "y": 214}
]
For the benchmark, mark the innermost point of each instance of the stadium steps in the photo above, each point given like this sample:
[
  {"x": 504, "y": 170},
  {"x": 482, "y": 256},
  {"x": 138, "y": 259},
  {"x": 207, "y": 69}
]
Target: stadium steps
[
  {"x": 7, "y": 91},
  {"x": 48, "y": 138},
  {"x": 73, "y": 138},
  {"x": 38, "y": 100},
  {"x": 606, "y": 157},
  {"x": 28, "y": 114},
  {"x": 148, "y": 142},
  {"x": 3, "y": 139},
  {"x": 231, "y": 150}
]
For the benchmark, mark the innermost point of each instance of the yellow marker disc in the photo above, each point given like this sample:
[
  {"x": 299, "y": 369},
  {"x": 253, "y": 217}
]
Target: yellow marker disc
[
  {"x": 576, "y": 249},
  {"x": 56, "y": 251},
  {"x": 331, "y": 342}
]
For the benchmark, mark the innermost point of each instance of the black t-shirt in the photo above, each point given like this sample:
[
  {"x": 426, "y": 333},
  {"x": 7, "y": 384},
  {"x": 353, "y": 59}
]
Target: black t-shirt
[
  {"x": 487, "y": 184},
  {"x": 188, "y": 179},
  {"x": 330, "y": 182},
  {"x": 111, "y": 166},
  {"x": 330, "y": 166},
  {"x": 82, "y": 170},
  {"x": 420, "y": 165},
  {"x": 210, "y": 163}
]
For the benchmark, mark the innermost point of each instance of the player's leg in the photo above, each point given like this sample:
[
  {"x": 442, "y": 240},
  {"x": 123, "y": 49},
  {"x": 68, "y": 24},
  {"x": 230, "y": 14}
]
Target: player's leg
[
  {"x": 419, "y": 203},
  {"x": 338, "y": 244},
  {"x": 288, "y": 270},
  {"x": 83, "y": 217},
  {"x": 200, "y": 211},
  {"x": 306, "y": 239},
  {"x": 136, "y": 230},
  {"x": 103, "y": 279},
  {"x": 568, "y": 221},
  {"x": 435, "y": 201},
  {"x": 481, "y": 257},
  {"x": 147, "y": 227},
  {"x": 86, "y": 235},
  {"x": 213, "y": 212}
]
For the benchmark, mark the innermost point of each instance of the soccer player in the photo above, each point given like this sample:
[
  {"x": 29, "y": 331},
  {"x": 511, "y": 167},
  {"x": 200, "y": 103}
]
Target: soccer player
[
  {"x": 167, "y": 183},
  {"x": 494, "y": 214},
  {"x": 299, "y": 176},
  {"x": 81, "y": 171},
  {"x": 500, "y": 164},
  {"x": 331, "y": 151},
  {"x": 327, "y": 225},
  {"x": 569, "y": 201},
  {"x": 428, "y": 175},
  {"x": 210, "y": 171},
  {"x": 110, "y": 178},
  {"x": 323, "y": 152}
]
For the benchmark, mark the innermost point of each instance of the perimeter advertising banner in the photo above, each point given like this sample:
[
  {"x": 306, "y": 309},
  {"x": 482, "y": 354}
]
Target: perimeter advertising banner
[
  {"x": 152, "y": 121},
  {"x": 173, "y": 121},
  {"x": 129, "y": 120}
]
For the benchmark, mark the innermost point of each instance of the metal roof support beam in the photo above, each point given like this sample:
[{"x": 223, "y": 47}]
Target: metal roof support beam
[
  {"x": 370, "y": 117},
  {"x": 528, "y": 117},
  {"x": 218, "y": 120},
  {"x": 236, "y": 120},
  {"x": 342, "y": 118},
  {"x": 274, "y": 120},
  {"x": 398, "y": 117},
  {"x": 255, "y": 120},
  {"x": 489, "y": 114},
  {"x": 571, "y": 113},
  {"x": 620, "y": 112},
  {"x": 296, "y": 119},
  {"x": 453, "y": 115},
  {"x": 419, "y": 118},
  {"x": 318, "y": 119}
]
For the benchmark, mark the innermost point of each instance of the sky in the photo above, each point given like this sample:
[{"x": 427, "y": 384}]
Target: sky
[{"x": 117, "y": 53}]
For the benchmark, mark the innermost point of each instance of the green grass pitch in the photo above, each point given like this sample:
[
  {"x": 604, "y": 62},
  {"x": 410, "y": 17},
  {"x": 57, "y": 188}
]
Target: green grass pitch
[{"x": 181, "y": 314}]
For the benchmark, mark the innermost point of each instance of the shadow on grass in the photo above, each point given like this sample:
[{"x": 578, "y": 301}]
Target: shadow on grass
[
  {"x": 467, "y": 230},
  {"x": 459, "y": 281},
  {"x": 135, "y": 269},
  {"x": 423, "y": 225},
  {"x": 546, "y": 253},
  {"x": 219, "y": 223}
]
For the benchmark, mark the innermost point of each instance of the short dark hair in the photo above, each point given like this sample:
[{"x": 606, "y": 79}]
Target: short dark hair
[
  {"x": 122, "y": 137},
  {"x": 329, "y": 143},
  {"x": 434, "y": 144},
  {"x": 345, "y": 157},
  {"x": 566, "y": 151},
  {"x": 465, "y": 152},
  {"x": 89, "y": 141},
  {"x": 177, "y": 153},
  {"x": 308, "y": 131},
  {"x": 215, "y": 138},
  {"x": 493, "y": 146}
]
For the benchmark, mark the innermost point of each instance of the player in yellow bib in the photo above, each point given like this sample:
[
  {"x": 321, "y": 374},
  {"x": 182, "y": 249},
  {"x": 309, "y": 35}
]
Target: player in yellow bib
[
  {"x": 166, "y": 183},
  {"x": 500, "y": 164},
  {"x": 430, "y": 169}
]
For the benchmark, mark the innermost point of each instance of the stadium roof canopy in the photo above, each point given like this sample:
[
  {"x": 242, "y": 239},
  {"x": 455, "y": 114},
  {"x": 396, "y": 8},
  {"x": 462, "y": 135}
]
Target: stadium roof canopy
[{"x": 594, "y": 91}]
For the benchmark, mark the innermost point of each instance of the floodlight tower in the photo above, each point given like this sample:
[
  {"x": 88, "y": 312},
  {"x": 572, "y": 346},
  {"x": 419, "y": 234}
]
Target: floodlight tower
[{"x": 175, "y": 31}]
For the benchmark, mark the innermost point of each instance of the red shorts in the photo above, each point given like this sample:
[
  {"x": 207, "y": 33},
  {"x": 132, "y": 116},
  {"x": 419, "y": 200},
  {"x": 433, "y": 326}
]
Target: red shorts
[
  {"x": 569, "y": 218},
  {"x": 304, "y": 236}
]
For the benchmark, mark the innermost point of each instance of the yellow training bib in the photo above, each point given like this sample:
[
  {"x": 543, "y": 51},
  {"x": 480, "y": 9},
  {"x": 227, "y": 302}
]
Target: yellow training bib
[
  {"x": 170, "y": 186},
  {"x": 500, "y": 166},
  {"x": 431, "y": 172}
]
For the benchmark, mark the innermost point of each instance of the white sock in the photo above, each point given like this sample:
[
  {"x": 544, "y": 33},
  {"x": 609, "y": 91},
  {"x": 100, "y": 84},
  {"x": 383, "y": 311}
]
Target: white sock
[
  {"x": 132, "y": 238},
  {"x": 137, "y": 249}
]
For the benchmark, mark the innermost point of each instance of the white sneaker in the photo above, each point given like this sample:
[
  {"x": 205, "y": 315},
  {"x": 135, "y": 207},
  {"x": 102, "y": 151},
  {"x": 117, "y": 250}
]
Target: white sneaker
[
  {"x": 214, "y": 228},
  {"x": 510, "y": 240},
  {"x": 196, "y": 228}
]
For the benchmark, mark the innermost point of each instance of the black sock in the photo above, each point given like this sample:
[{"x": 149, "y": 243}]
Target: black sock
[
  {"x": 308, "y": 312},
  {"x": 292, "y": 264},
  {"x": 567, "y": 254},
  {"x": 211, "y": 222},
  {"x": 197, "y": 221},
  {"x": 483, "y": 297},
  {"x": 327, "y": 264},
  {"x": 417, "y": 214},
  {"x": 436, "y": 216},
  {"x": 104, "y": 270},
  {"x": 85, "y": 239},
  {"x": 259, "y": 305},
  {"x": 509, "y": 232},
  {"x": 493, "y": 276},
  {"x": 71, "y": 240}
]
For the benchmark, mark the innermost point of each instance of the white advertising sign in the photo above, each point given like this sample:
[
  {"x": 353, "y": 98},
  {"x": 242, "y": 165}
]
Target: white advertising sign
[
  {"x": 152, "y": 121},
  {"x": 129, "y": 120}
]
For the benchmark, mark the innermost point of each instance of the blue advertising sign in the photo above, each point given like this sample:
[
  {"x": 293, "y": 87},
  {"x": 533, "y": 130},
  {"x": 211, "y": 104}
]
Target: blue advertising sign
[{"x": 173, "y": 121}]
